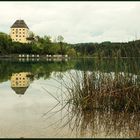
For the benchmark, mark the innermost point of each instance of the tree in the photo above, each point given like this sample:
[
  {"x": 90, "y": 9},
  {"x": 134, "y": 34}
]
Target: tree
[
  {"x": 5, "y": 43},
  {"x": 71, "y": 52},
  {"x": 60, "y": 40},
  {"x": 31, "y": 37}
]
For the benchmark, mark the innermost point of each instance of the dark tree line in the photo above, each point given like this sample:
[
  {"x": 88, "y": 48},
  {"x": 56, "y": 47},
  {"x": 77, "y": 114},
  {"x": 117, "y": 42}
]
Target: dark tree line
[{"x": 108, "y": 49}]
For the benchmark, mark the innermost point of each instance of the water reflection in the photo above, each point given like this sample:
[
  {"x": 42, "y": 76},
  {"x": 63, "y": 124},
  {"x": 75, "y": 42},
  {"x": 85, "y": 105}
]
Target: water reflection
[
  {"x": 106, "y": 124},
  {"x": 112, "y": 86},
  {"x": 20, "y": 82},
  {"x": 38, "y": 59}
]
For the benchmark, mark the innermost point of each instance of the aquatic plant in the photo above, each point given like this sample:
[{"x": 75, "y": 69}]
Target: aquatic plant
[{"x": 105, "y": 91}]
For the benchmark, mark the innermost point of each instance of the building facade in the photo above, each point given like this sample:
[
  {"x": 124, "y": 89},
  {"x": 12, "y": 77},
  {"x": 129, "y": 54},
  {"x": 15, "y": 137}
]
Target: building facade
[
  {"x": 19, "y": 32},
  {"x": 20, "y": 79}
]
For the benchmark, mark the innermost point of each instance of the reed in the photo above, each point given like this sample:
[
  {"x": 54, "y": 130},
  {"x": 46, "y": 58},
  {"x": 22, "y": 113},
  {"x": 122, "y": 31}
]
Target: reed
[{"x": 104, "y": 91}]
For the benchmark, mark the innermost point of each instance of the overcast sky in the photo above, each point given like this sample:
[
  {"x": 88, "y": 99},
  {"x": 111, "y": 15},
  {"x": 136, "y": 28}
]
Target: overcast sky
[{"x": 76, "y": 21}]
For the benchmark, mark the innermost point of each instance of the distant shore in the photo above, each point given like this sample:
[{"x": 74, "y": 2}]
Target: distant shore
[
  {"x": 33, "y": 56},
  {"x": 30, "y": 56}
]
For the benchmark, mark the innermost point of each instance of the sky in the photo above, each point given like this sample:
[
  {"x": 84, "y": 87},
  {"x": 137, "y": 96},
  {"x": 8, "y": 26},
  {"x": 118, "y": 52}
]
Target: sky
[{"x": 77, "y": 22}]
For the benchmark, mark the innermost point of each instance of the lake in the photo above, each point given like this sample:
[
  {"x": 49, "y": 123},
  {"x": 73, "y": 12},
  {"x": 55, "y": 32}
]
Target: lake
[{"x": 34, "y": 99}]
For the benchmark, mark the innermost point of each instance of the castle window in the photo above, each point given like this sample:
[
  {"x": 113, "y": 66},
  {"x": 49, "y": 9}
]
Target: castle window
[
  {"x": 13, "y": 32},
  {"x": 16, "y": 35},
  {"x": 19, "y": 35},
  {"x": 23, "y": 36},
  {"x": 19, "y": 32},
  {"x": 23, "y": 29},
  {"x": 23, "y": 32},
  {"x": 20, "y": 29}
]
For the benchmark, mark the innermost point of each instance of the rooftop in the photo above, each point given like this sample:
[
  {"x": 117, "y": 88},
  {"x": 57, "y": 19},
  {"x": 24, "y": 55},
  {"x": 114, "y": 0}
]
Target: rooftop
[
  {"x": 19, "y": 24},
  {"x": 19, "y": 90}
]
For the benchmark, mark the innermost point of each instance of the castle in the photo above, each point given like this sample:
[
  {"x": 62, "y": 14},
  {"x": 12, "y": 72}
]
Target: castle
[{"x": 20, "y": 32}]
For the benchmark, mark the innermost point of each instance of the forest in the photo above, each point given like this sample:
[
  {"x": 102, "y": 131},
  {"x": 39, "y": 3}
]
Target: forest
[
  {"x": 108, "y": 49},
  {"x": 44, "y": 45}
]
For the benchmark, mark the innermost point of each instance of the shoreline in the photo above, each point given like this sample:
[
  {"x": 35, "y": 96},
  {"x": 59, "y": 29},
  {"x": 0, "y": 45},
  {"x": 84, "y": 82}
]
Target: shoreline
[{"x": 52, "y": 56}]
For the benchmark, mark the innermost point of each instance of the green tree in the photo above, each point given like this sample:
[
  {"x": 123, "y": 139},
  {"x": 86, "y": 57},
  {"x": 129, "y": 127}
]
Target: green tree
[
  {"x": 71, "y": 52},
  {"x": 60, "y": 40}
]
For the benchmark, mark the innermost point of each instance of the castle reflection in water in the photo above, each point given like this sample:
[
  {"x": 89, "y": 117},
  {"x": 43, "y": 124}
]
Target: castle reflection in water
[{"x": 20, "y": 82}]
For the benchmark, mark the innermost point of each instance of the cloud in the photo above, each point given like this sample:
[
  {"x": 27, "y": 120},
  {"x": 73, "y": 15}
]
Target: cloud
[{"x": 76, "y": 21}]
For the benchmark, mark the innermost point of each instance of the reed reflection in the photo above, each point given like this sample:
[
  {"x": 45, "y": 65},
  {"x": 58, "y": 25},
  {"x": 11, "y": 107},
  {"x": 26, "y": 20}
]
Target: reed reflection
[{"x": 106, "y": 124}]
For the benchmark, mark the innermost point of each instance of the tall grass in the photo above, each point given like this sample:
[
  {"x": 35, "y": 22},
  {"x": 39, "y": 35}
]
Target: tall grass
[{"x": 105, "y": 91}]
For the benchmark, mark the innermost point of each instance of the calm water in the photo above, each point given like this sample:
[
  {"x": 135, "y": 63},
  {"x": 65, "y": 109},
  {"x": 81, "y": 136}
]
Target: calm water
[{"x": 32, "y": 94}]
